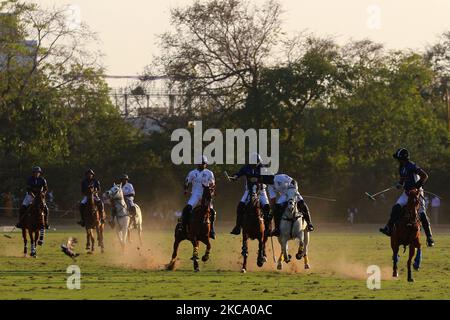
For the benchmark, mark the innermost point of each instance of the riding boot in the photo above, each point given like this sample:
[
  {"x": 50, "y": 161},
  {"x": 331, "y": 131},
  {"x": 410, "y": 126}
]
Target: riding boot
[
  {"x": 239, "y": 217},
  {"x": 22, "y": 211},
  {"x": 395, "y": 214},
  {"x": 303, "y": 208},
  {"x": 185, "y": 217},
  {"x": 81, "y": 208},
  {"x": 277, "y": 212},
  {"x": 212, "y": 219},
  {"x": 46, "y": 225},
  {"x": 427, "y": 228},
  {"x": 267, "y": 220}
]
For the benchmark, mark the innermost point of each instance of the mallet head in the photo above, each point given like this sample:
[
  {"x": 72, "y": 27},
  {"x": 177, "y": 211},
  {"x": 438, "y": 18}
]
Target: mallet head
[{"x": 371, "y": 197}]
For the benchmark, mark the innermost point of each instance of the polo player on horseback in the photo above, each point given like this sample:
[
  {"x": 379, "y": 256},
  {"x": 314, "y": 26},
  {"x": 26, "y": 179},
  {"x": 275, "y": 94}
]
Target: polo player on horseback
[
  {"x": 252, "y": 170},
  {"x": 88, "y": 181},
  {"x": 281, "y": 184},
  {"x": 411, "y": 177},
  {"x": 129, "y": 194},
  {"x": 198, "y": 178},
  {"x": 35, "y": 183}
]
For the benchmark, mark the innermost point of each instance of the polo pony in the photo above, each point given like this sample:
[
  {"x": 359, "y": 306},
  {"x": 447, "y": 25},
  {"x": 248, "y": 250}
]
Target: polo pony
[
  {"x": 33, "y": 224},
  {"x": 253, "y": 225},
  {"x": 198, "y": 230},
  {"x": 93, "y": 220},
  {"x": 293, "y": 227},
  {"x": 406, "y": 232}
]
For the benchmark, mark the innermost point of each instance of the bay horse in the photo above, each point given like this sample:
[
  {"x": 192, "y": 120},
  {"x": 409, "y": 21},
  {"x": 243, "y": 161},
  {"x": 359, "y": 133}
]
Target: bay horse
[
  {"x": 199, "y": 228},
  {"x": 253, "y": 226},
  {"x": 93, "y": 220},
  {"x": 406, "y": 232},
  {"x": 33, "y": 224},
  {"x": 293, "y": 227}
]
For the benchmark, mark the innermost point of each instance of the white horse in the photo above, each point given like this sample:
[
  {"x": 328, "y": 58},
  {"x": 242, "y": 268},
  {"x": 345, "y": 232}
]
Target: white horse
[
  {"x": 124, "y": 221},
  {"x": 293, "y": 227}
]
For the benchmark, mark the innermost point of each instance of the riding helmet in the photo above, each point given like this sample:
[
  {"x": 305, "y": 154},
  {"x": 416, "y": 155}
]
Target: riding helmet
[
  {"x": 37, "y": 169},
  {"x": 401, "y": 154},
  {"x": 90, "y": 171}
]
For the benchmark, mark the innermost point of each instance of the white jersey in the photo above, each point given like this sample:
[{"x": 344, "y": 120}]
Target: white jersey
[
  {"x": 128, "y": 189},
  {"x": 198, "y": 179},
  {"x": 280, "y": 185}
]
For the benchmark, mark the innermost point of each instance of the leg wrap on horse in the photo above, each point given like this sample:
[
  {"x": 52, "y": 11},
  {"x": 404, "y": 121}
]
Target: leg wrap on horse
[
  {"x": 101, "y": 208},
  {"x": 426, "y": 224},
  {"x": 186, "y": 215}
]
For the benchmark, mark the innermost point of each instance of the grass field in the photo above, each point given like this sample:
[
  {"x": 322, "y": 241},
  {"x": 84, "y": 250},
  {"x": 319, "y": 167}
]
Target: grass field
[{"x": 339, "y": 258}]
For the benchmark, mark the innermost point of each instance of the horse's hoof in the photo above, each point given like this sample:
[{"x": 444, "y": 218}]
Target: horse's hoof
[
  {"x": 265, "y": 259},
  {"x": 40, "y": 243},
  {"x": 260, "y": 264},
  {"x": 299, "y": 256},
  {"x": 395, "y": 274},
  {"x": 307, "y": 267},
  {"x": 197, "y": 270},
  {"x": 90, "y": 252},
  {"x": 279, "y": 266},
  {"x": 205, "y": 258},
  {"x": 243, "y": 271},
  {"x": 411, "y": 280}
]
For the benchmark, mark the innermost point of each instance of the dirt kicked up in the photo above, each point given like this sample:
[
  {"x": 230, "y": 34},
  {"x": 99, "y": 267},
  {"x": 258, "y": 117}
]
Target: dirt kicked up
[{"x": 339, "y": 258}]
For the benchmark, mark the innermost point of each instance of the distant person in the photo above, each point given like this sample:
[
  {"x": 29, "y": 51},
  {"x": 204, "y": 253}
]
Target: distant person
[
  {"x": 85, "y": 184},
  {"x": 351, "y": 213},
  {"x": 435, "y": 207}
]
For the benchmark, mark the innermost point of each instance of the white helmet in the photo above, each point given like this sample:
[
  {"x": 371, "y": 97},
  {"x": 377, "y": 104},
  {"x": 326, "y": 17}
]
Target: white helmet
[
  {"x": 255, "y": 158},
  {"x": 202, "y": 160}
]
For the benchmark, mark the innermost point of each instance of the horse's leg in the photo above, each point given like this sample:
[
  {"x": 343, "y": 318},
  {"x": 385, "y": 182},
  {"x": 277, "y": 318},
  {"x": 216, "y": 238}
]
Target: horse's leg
[
  {"x": 140, "y": 234},
  {"x": 100, "y": 238},
  {"x": 176, "y": 244},
  {"x": 280, "y": 261},
  {"x": 301, "y": 245},
  {"x": 418, "y": 259},
  {"x": 206, "y": 257},
  {"x": 305, "y": 255},
  {"x": 92, "y": 240},
  {"x": 260, "y": 260},
  {"x": 412, "y": 251},
  {"x": 88, "y": 240},
  {"x": 284, "y": 249},
  {"x": 244, "y": 252},
  {"x": 33, "y": 243},
  {"x": 24, "y": 236},
  {"x": 195, "y": 245},
  {"x": 41, "y": 236},
  {"x": 395, "y": 248}
]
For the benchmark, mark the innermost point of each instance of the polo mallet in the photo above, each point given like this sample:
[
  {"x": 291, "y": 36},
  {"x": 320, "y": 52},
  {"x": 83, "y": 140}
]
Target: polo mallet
[
  {"x": 7, "y": 235},
  {"x": 320, "y": 198},
  {"x": 372, "y": 196},
  {"x": 227, "y": 176}
]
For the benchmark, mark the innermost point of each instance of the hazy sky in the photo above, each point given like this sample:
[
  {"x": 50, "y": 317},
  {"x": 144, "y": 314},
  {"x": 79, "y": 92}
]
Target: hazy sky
[{"x": 127, "y": 29}]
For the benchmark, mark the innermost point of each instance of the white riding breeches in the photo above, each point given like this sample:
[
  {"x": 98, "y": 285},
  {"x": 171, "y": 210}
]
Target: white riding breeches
[
  {"x": 403, "y": 200},
  {"x": 28, "y": 200},
  {"x": 195, "y": 199},
  {"x": 262, "y": 197}
]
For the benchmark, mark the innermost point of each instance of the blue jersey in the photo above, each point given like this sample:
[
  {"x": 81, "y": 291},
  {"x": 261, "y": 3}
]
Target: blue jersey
[
  {"x": 86, "y": 183},
  {"x": 35, "y": 185},
  {"x": 409, "y": 174}
]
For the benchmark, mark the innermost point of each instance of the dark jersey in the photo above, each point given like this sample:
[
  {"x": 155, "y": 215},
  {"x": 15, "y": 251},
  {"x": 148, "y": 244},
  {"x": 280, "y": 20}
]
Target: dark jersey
[
  {"x": 409, "y": 175},
  {"x": 250, "y": 171},
  {"x": 35, "y": 185},
  {"x": 87, "y": 182}
]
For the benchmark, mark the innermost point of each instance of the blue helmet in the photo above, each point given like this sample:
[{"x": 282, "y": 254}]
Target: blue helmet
[
  {"x": 37, "y": 169},
  {"x": 401, "y": 154}
]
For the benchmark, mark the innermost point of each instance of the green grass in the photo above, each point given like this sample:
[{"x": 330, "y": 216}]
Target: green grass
[{"x": 339, "y": 261}]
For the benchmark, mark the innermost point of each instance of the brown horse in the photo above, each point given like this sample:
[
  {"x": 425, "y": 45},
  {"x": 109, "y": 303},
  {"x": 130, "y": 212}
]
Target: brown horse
[
  {"x": 406, "y": 232},
  {"x": 93, "y": 220},
  {"x": 253, "y": 227},
  {"x": 198, "y": 230},
  {"x": 33, "y": 224}
]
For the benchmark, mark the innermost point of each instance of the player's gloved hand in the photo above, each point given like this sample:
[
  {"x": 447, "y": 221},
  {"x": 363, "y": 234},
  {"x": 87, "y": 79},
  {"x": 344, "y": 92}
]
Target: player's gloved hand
[
  {"x": 399, "y": 185},
  {"x": 233, "y": 178}
]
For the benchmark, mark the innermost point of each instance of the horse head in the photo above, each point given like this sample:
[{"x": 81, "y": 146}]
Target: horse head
[
  {"x": 413, "y": 204},
  {"x": 115, "y": 192}
]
